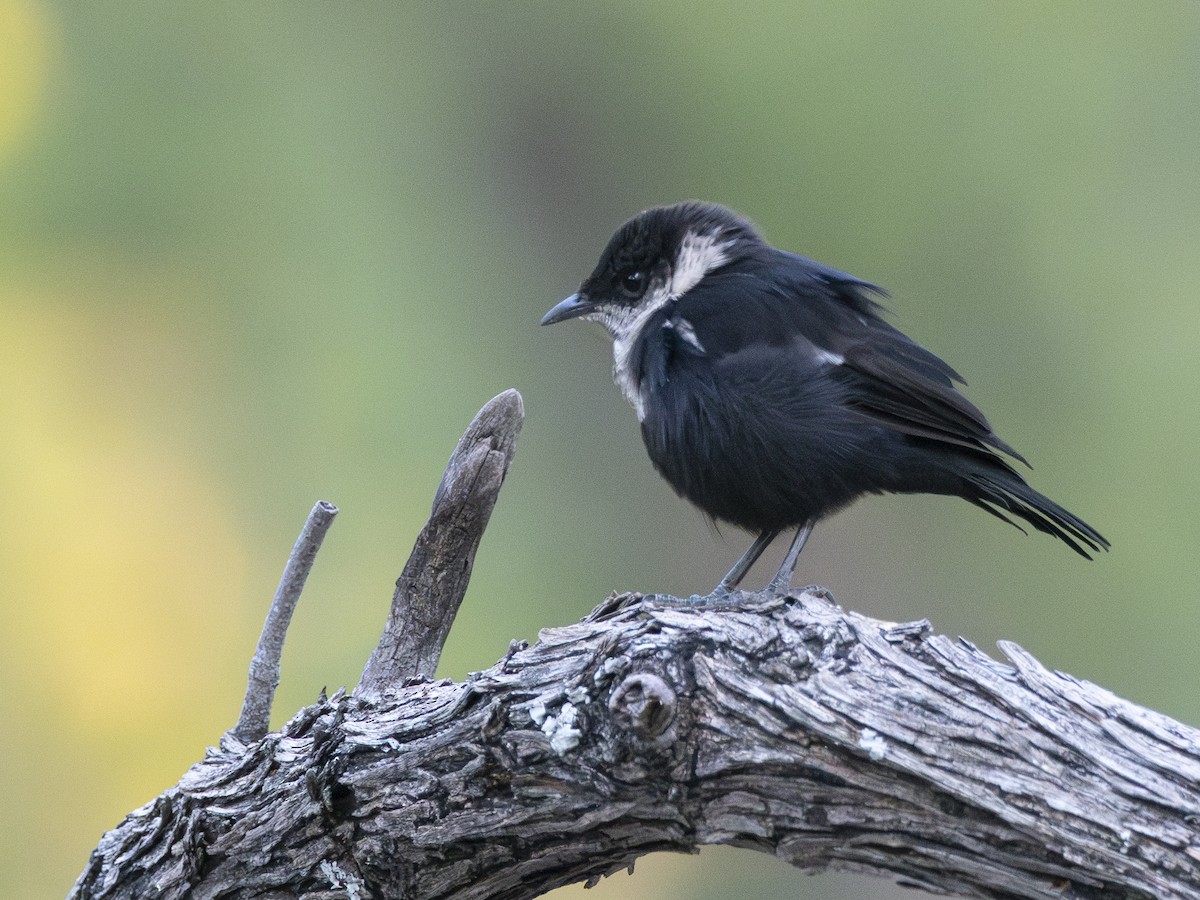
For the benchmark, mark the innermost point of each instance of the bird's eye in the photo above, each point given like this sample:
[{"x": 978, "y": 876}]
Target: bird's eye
[{"x": 632, "y": 282}]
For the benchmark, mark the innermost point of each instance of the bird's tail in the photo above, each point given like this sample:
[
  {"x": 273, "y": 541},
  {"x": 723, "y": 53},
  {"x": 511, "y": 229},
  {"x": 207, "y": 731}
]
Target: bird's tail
[{"x": 1002, "y": 491}]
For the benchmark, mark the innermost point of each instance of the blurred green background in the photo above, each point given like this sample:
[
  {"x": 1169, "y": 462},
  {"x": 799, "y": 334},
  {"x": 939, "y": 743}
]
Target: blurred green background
[{"x": 255, "y": 255}]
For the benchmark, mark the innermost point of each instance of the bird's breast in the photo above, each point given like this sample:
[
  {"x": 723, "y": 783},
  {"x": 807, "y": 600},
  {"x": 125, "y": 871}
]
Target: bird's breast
[{"x": 761, "y": 438}]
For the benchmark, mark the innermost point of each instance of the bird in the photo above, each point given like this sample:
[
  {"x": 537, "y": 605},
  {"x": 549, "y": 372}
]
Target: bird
[{"x": 772, "y": 392}]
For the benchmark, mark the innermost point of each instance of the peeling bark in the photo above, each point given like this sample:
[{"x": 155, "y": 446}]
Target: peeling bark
[
  {"x": 779, "y": 724},
  {"x": 784, "y": 725}
]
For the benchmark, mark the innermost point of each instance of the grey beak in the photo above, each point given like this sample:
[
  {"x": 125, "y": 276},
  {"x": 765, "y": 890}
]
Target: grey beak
[{"x": 573, "y": 306}]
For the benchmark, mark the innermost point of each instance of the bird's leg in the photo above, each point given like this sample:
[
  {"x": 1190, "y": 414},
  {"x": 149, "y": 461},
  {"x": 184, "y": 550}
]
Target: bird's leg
[
  {"x": 742, "y": 566},
  {"x": 782, "y": 582}
]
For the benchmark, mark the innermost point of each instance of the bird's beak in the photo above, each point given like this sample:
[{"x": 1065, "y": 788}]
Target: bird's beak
[{"x": 573, "y": 306}]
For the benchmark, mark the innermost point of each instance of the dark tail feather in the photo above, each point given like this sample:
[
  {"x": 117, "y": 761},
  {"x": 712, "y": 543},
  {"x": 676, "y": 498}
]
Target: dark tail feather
[{"x": 1005, "y": 491}]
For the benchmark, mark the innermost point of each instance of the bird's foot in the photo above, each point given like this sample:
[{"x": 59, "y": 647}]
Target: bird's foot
[
  {"x": 614, "y": 605},
  {"x": 779, "y": 587},
  {"x": 718, "y": 598},
  {"x": 619, "y": 604}
]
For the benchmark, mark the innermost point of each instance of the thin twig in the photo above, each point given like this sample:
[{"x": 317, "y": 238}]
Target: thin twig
[
  {"x": 435, "y": 578},
  {"x": 254, "y": 722}
]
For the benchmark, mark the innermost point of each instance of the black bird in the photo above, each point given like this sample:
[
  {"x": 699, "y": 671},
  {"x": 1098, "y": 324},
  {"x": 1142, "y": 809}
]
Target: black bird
[{"x": 771, "y": 392}]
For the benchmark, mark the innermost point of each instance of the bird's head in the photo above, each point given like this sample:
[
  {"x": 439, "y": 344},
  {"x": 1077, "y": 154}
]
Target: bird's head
[{"x": 656, "y": 257}]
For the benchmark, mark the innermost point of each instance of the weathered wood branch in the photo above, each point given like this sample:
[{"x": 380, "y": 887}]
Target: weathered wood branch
[
  {"x": 784, "y": 725},
  {"x": 431, "y": 587}
]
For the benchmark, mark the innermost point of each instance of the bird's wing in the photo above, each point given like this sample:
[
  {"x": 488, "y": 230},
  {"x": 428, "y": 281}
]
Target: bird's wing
[
  {"x": 888, "y": 382},
  {"x": 788, "y": 301}
]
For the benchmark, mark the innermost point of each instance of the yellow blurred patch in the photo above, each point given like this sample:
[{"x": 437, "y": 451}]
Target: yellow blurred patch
[
  {"x": 25, "y": 54},
  {"x": 117, "y": 558}
]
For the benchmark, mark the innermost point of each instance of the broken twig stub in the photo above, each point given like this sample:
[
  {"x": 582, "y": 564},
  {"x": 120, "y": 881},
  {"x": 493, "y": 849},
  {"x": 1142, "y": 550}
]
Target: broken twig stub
[{"x": 431, "y": 587}]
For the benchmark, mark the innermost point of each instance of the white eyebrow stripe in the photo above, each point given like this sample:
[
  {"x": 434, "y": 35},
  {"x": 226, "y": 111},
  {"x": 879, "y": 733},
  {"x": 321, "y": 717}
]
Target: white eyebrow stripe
[{"x": 698, "y": 255}]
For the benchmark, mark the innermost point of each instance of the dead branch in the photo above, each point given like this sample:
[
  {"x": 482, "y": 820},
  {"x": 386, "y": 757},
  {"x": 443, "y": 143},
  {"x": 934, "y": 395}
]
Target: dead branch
[
  {"x": 255, "y": 719},
  {"x": 784, "y": 725}
]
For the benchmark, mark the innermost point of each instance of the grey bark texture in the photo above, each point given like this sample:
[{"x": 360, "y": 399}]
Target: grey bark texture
[
  {"x": 780, "y": 724},
  {"x": 431, "y": 587}
]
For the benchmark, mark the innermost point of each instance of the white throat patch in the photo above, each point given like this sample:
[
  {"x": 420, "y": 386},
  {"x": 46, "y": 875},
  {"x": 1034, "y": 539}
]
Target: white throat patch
[{"x": 698, "y": 255}]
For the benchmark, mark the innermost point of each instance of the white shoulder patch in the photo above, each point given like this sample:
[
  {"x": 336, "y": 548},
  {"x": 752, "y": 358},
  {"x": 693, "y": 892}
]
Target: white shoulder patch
[
  {"x": 686, "y": 332},
  {"x": 822, "y": 355}
]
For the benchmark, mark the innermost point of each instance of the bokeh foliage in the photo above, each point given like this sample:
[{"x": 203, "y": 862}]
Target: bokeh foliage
[{"x": 255, "y": 255}]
